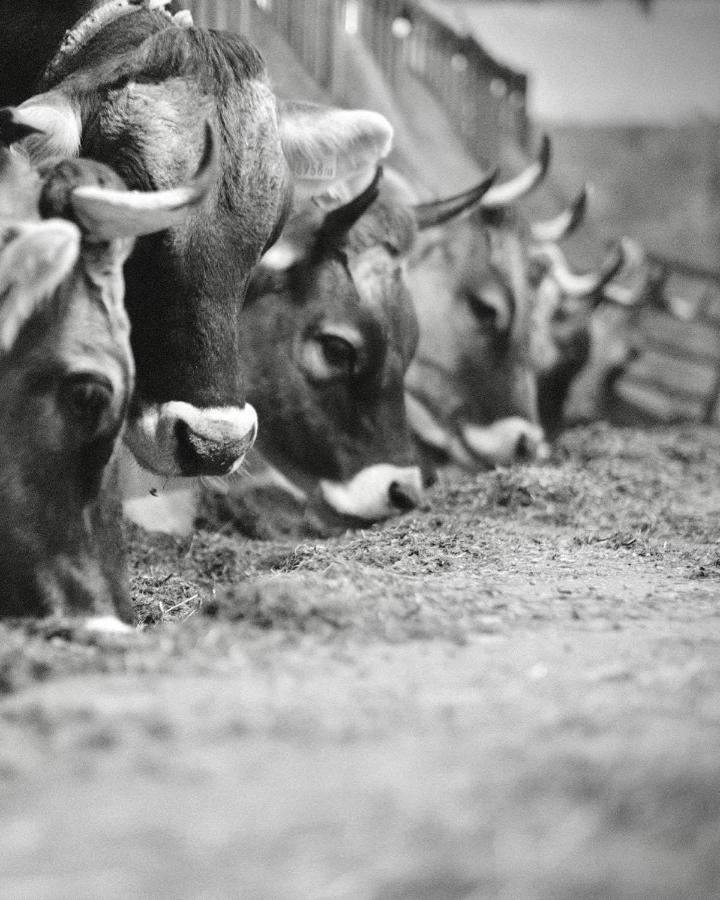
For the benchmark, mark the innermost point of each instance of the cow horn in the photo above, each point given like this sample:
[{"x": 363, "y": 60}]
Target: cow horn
[
  {"x": 106, "y": 214},
  {"x": 579, "y": 284},
  {"x": 636, "y": 264},
  {"x": 437, "y": 212},
  {"x": 563, "y": 225},
  {"x": 338, "y": 222},
  {"x": 509, "y": 191}
]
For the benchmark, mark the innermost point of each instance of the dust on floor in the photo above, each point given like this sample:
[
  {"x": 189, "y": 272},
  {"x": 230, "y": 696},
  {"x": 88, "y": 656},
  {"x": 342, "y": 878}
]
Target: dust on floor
[{"x": 513, "y": 694}]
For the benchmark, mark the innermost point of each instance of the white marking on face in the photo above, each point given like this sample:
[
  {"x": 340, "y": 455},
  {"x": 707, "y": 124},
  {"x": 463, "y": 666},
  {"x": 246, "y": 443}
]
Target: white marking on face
[
  {"x": 367, "y": 494},
  {"x": 156, "y": 502},
  {"x": 107, "y": 625},
  {"x": 281, "y": 255},
  {"x": 425, "y": 425},
  {"x": 506, "y": 441},
  {"x": 152, "y": 437}
]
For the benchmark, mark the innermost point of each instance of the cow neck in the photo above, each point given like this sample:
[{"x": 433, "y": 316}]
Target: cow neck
[{"x": 83, "y": 31}]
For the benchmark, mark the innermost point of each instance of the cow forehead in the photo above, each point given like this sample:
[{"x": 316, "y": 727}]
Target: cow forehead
[
  {"x": 387, "y": 223},
  {"x": 380, "y": 280}
]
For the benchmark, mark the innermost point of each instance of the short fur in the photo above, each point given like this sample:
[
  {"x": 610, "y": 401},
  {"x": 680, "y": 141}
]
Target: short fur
[
  {"x": 142, "y": 88},
  {"x": 323, "y": 419}
]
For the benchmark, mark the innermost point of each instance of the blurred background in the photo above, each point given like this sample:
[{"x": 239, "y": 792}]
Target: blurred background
[{"x": 628, "y": 90}]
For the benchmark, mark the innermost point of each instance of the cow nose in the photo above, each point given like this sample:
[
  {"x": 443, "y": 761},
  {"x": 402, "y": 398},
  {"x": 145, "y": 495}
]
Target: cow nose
[
  {"x": 213, "y": 444},
  {"x": 404, "y": 496},
  {"x": 523, "y": 450},
  {"x": 531, "y": 447}
]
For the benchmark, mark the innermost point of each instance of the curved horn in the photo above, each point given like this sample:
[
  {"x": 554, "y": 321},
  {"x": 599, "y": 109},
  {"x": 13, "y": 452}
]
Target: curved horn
[
  {"x": 338, "y": 222},
  {"x": 572, "y": 283},
  {"x": 510, "y": 191},
  {"x": 563, "y": 225},
  {"x": 437, "y": 212},
  {"x": 636, "y": 264},
  {"x": 106, "y": 214}
]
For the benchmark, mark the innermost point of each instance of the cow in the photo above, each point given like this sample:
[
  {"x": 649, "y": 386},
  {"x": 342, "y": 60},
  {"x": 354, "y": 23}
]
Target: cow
[
  {"x": 66, "y": 377},
  {"x": 595, "y": 336},
  {"x": 130, "y": 86},
  {"x": 471, "y": 391},
  {"x": 326, "y": 336},
  {"x": 63, "y": 399},
  {"x": 493, "y": 337}
]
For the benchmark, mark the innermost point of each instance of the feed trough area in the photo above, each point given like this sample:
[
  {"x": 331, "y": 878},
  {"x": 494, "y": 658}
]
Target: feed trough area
[{"x": 359, "y": 464}]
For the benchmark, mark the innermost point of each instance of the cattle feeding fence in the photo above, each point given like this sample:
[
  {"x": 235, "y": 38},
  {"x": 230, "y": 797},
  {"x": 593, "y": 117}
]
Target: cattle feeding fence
[
  {"x": 677, "y": 375},
  {"x": 484, "y": 100}
]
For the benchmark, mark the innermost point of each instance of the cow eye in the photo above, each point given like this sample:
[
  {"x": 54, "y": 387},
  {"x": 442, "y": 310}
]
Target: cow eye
[
  {"x": 484, "y": 312},
  {"x": 327, "y": 357},
  {"x": 392, "y": 248},
  {"x": 339, "y": 353},
  {"x": 86, "y": 396}
]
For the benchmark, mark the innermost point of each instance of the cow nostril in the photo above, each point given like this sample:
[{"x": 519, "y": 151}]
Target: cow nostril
[
  {"x": 429, "y": 477},
  {"x": 522, "y": 449},
  {"x": 200, "y": 454},
  {"x": 402, "y": 497}
]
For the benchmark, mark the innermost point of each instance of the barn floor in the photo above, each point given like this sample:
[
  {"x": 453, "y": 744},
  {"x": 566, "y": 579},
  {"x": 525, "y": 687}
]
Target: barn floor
[{"x": 515, "y": 694}]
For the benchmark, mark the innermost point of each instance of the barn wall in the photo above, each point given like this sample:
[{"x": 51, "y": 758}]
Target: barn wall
[
  {"x": 677, "y": 376},
  {"x": 484, "y": 100}
]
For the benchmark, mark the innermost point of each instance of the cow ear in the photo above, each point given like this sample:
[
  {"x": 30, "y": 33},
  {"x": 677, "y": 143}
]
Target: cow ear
[
  {"x": 34, "y": 260},
  {"x": 332, "y": 153}
]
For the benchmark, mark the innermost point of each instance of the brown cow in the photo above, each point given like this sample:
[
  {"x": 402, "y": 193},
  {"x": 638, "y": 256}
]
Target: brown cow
[
  {"x": 326, "y": 338},
  {"x": 129, "y": 86},
  {"x": 496, "y": 343},
  {"x": 66, "y": 376}
]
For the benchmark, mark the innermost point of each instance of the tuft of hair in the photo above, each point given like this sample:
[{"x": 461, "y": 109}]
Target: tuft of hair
[
  {"x": 388, "y": 223},
  {"x": 220, "y": 60}
]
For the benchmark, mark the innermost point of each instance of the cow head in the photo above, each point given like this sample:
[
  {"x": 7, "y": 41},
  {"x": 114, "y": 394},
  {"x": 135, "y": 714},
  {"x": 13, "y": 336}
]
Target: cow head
[
  {"x": 133, "y": 94},
  {"x": 67, "y": 375},
  {"x": 593, "y": 333},
  {"x": 65, "y": 378},
  {"x": 471, "y": 390},
  {"x": 326, "y": 337}
]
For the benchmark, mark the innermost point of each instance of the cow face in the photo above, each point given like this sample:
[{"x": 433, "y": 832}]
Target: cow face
[
  {"x": 471, "y": 388},
  {"x": 471, "y": 391},
  {"x": 565, "y": 324},
  {"x": 590, "y": 324},
  {"x": 134, "y": 94},
  {"x": 67, "y": 375},
  {"x": 327, "y": 335},
  {"x": 65, "y": 378}
]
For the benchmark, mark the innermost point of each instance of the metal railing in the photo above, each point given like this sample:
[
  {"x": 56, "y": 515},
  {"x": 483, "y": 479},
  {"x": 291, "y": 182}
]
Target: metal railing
[
  {"x": 677, "y": 376},
  {"x": 484, "y": 100}
]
